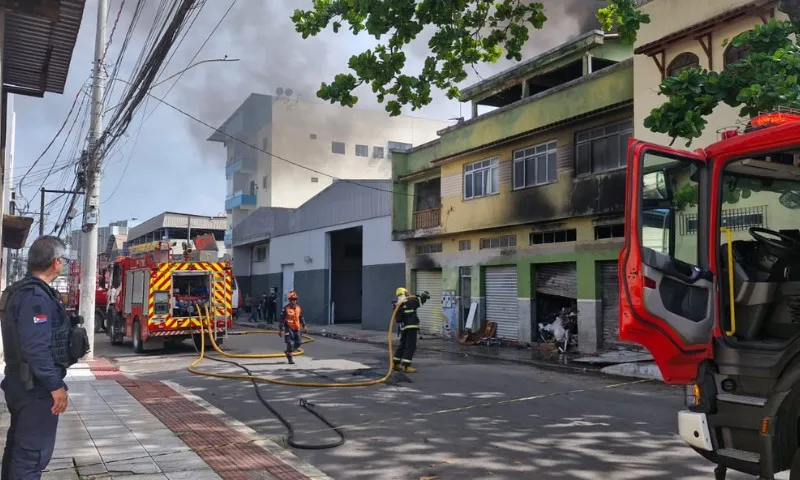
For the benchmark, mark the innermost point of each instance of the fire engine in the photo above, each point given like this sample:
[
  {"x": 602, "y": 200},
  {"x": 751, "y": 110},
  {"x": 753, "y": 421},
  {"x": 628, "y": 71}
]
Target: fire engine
[
  {"x": 710, "y": 285},
  {"x": 100, "y": 292},
  {"x": 153, "y": 296}
]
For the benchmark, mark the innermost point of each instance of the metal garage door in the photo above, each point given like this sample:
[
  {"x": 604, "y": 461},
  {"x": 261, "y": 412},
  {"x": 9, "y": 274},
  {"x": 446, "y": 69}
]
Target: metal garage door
[
  {"x": 610, "y": 295},
  {"x": 560, "y": 279},
  {"x": 501, "y": 300},
  {"x": 430, "y": 315}
]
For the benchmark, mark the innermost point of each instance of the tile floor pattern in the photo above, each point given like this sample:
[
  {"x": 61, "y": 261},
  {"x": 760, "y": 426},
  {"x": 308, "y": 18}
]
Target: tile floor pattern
[{"x": 108, "y": 434}]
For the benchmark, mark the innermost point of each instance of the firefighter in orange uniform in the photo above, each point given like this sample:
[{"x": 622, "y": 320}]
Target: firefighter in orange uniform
[{"x": 292, "y": 322}]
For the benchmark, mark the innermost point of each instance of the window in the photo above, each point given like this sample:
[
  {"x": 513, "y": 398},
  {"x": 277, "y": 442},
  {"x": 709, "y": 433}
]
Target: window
[
  {"x": 734, "y": 54},
  {"x": 535, "y": 165},
  {"x": 429, "y": 248},
  {"x": 314, "y": 179},
  {"x": 377, "y": 152},
  {"x": 260, "y": 254},
  {"x": 464, "y": 245},
  {"x": 556, "y": 236},
  {"x": 362, "y": 151},
  {"x": 682, "y": 62},
  {"x": 499, "y": 242},
  {"x": 337, "y": 147},
  {"x": 603, "y": 232},
  {"x": 312, "y": 136},
  {"x": 603, "y": 148},
  {"x": 253, "y": 187},
  {"x": 481, "y": 178},
  {"x": 264, "y": 182},
  {"x": 398, "y": 146}
]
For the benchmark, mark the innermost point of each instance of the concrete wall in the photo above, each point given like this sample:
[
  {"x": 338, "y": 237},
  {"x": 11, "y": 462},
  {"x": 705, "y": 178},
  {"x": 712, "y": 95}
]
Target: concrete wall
[{"x": 382, "y": 270}]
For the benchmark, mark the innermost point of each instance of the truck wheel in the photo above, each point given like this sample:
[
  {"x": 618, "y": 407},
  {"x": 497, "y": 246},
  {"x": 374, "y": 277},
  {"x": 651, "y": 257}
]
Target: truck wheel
[
  {"x": 794, "y": 472},
  {"x": 116, "y": 331},
  {"x": 138, "y": 344}
]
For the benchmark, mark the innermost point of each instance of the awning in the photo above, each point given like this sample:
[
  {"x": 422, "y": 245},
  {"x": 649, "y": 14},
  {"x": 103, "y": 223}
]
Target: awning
[{"x": 15, "y": 231}]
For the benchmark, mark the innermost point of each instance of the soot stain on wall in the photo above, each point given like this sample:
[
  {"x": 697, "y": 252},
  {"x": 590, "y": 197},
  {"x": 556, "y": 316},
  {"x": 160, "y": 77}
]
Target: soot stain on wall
[{"x": 423, "y": 262}]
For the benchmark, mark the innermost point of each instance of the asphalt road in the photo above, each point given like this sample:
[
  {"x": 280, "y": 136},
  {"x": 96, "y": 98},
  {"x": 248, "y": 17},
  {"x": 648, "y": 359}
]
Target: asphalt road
[{"x": 455, "y": 418}]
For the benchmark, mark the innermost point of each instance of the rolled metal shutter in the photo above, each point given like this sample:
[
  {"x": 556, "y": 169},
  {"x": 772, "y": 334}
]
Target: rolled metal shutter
[
  {"x": 501, "y": 301},
  {"x": 560, "y": 279},
  {"x": 430, "y": 314},
  {"x": 610, "y": 295}
]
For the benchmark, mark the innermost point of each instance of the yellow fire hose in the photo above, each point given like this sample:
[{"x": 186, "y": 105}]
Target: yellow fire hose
[{"x": 206, "y": 320}]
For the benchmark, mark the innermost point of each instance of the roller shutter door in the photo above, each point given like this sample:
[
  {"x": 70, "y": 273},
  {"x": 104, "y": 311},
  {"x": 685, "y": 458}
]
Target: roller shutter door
[
  {"x": 501, "y": 301},
  {"x": 558, "y": 279},
  {"x": 610, "y": 295},
  {"x": 430, "y": 315}
]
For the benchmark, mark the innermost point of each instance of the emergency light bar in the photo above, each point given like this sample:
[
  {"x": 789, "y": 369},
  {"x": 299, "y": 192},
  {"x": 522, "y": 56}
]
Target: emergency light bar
[{"x": 773, "y": 119}]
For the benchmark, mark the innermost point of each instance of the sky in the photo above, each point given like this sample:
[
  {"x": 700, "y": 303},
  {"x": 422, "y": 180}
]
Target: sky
[{"x": 164, "y": 162}]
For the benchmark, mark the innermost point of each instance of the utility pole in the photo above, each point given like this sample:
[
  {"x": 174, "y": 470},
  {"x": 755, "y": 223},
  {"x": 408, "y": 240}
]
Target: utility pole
[
  {"x": 12, "y": 196},
  {"x": 88, "y": 280},
  {"x": 41, "y": 209}
]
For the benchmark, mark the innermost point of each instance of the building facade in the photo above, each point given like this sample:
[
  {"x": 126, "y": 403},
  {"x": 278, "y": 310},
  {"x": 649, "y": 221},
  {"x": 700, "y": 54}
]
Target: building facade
[
  {"x": 517, "y": 213},
  {"x": 335, "y": 250},
  {"x": 103, "y": 235},
  {"x": 337, "y": 142},
  {"x": 177, "y": 228}
]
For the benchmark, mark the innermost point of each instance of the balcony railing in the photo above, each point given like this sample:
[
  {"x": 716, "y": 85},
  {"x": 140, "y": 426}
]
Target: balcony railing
[
  {"x": 240, "y": 200},
  {"x": 427, "y": 218}
]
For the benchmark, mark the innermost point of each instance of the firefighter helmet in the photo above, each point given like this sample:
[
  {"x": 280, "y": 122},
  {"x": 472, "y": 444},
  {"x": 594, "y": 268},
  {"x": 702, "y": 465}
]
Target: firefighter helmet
[
  {"x": 292, "y": 295},
  {"x": 400, "y": 291}
]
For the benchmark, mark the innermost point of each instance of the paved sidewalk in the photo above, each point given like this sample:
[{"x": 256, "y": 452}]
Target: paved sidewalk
[{"x": 118, "y": 428}]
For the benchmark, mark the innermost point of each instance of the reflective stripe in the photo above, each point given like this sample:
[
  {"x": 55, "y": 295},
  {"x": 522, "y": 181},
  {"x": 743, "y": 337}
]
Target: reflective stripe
[
  {"x": 407, "y": 362},
  {"x": 396, "y": 359},
  {"x": 408, "y": 311},
  {"x": 410, "y": 327}
]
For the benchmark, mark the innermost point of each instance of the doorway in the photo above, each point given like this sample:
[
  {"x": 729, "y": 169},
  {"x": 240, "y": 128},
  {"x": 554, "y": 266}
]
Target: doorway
[
  {"x": 287, "y": 272},
  {"x": 346, "y": 253}
]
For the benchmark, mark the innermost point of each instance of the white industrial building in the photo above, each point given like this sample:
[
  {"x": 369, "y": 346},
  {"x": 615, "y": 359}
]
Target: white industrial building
[
  {"x": 335, "y": 250},
  {"x": 317, "y": 142}
]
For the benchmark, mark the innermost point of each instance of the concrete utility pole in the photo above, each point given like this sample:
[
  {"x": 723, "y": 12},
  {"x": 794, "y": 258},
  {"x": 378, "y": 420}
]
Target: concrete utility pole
[{"x": 92, "y": 174}]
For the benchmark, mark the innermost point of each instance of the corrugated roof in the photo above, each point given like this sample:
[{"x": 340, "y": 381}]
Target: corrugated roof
[
  {"x": 38, "y": 51},
  {"x": 177, "y": 220}
]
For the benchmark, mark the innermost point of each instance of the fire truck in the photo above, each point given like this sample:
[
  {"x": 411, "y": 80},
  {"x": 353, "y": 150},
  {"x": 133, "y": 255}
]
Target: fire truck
[
  {"x": 710, "y": 285},
  {"x": 153, "y": 296},
  {"x": 100, "y": 292}
]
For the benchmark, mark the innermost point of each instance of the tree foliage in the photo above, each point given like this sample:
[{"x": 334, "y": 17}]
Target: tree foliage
[
  {"x": 765, "y": 79},
  {"x": 465, "y": 33}
]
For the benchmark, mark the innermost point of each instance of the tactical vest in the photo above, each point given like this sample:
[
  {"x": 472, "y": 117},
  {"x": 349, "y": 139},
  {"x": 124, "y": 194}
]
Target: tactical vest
[{"x": 68, "y": 342}]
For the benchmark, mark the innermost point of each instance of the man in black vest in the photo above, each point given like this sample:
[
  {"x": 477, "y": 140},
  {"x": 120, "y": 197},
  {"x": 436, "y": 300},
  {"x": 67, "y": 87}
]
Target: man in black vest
[{"x": 36, "y": 354}]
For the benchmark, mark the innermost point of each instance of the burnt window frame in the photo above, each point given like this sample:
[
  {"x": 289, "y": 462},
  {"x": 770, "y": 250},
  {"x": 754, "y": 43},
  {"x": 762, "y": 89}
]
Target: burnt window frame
[
  {"x": 622, "y": 130},
  {"x": 552, "y": 237},
  {"x": 501, "y": 241},
  {"x": 428, "y": 248},
  {"x": 534, "y": 153}
]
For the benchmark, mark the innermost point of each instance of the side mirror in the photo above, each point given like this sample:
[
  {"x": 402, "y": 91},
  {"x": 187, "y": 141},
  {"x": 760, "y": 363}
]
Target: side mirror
[{"x": 790, "y": 199}]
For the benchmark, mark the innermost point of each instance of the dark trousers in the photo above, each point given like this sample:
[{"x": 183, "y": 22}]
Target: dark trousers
[
  {"x": 271, "y": 311},
  {"x": 32, "y": 435},
  {"x": 293, "y": 341},
  {"x": 408, "y": 345}
]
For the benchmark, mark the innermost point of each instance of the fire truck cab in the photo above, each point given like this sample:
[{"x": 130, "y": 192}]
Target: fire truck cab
[
  {"x": 100, "y": 292},
  {"x": 156, "y": 299},
  {"x": 710, "y": 285}
]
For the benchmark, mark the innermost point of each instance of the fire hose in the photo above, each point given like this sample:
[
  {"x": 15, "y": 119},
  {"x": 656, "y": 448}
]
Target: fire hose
[{"x": 207, "y": 321}]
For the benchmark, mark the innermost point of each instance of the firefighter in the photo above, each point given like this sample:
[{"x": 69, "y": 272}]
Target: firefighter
[
  {"x": 408, "y": 322},
  {"x": 292, "y": 322}
]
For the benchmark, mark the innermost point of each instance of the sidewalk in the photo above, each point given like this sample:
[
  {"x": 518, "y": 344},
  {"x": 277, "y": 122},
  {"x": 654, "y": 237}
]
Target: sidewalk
[
  {"x": 529, "y": 356},
  {"x": 118, "y": 428}
]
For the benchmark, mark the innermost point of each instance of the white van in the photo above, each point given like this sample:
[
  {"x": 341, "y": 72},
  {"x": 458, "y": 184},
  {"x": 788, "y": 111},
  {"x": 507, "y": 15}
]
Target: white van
[{"x": 236, "y": 298}]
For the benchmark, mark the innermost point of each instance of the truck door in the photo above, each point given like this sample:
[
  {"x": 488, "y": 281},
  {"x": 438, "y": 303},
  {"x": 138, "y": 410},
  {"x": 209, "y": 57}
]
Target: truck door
[{"x": 667, "y": 290}]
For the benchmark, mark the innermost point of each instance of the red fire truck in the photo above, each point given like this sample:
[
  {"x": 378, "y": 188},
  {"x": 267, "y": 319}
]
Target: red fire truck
[
  {"x": 100, "y": 292},
  {"x": 154, "y": 296},
  {"x": 710, "y": 285}
]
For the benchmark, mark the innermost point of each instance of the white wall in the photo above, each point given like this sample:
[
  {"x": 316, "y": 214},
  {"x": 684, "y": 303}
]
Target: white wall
[{"x": 378, "y": 247}]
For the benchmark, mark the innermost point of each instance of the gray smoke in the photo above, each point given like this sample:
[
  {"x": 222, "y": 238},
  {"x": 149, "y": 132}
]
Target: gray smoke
[{"x": 272, "y": 55}]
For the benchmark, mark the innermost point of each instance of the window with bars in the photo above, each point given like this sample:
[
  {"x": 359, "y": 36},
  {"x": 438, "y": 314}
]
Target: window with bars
[
  {"x": 504, "y": 241},
  {"x": 556, "y": 236},
  {"x": 428, "y": 248},
  {"x": 260, "y": 254},
  {"x": 735, "y": 219},
  {"x": 481, "y": 178},
  {"x": 464, "y": 245},
  {"x": 602, "y": 148},
  {"x": 536, "y": 165}
]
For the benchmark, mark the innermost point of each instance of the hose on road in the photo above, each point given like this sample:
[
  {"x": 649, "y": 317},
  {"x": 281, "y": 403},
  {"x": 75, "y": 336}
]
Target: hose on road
[{"x": 207, "y": 321}]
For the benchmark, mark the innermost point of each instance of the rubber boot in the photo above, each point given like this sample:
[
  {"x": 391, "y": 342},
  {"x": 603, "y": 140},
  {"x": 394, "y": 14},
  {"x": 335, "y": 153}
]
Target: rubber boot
[
  {"x": 289, "y": 357},
  {"x": 409, "y": 369}
]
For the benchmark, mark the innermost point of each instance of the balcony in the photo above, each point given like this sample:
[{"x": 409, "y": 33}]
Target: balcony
[
  {"x": 425, "y": 219},
  {"x": 242, "y": 165},
  {"x": 240, "y": 200}
]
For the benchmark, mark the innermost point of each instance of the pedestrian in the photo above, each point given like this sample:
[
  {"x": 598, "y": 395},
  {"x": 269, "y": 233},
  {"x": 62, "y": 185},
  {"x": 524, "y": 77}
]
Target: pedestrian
[
  {"x": 252, "y": 303},
  {"x": 292, "y": 321},
  {"x": 37, "y": 342},
  {"x": 272, "y": 306},
  {"x": 263, "y": 307},
  {"x": 408, "y": 322}
]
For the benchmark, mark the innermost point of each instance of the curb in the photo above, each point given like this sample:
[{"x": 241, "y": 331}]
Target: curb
[{"x": 268, "y": 445}]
